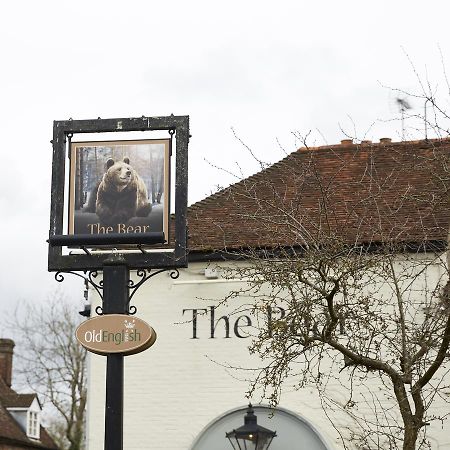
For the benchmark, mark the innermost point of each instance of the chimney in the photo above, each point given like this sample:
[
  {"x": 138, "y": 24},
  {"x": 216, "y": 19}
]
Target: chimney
[
  {"x": 6, "y": 357},
  {"x": 385, "y": 140}
]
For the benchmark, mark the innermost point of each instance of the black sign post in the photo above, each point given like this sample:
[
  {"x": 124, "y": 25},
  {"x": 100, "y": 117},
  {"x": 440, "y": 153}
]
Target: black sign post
[
  {"x": 115, "y": 301},
  {"x": 116, "y": 289}
]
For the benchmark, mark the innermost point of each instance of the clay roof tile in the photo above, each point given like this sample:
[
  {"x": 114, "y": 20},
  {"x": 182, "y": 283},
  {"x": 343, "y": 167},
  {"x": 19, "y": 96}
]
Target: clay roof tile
[{"x": 364, "y": 193}]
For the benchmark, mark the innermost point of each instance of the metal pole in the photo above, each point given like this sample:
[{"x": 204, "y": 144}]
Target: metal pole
[{"x": 115, "y": 301}]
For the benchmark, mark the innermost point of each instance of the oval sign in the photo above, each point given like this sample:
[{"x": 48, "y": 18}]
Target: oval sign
[{"x": 115, "y": 333}]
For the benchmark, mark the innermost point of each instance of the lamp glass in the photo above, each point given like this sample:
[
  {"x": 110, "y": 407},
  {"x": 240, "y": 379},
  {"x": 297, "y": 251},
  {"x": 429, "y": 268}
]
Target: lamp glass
[{"x": 258, "y": 441}]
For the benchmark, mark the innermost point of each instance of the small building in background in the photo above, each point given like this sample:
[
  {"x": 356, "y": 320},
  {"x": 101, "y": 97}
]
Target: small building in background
[{"x": 20, "y": 414}]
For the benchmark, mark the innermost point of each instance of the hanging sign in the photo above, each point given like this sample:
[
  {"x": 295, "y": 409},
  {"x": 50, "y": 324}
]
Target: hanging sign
[
  {"x": 119, "y": 187},
  {"x": 115, "y": 333}
]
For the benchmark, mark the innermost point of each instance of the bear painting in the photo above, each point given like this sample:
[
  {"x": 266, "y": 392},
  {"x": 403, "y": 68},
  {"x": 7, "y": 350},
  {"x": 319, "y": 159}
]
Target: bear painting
[
  {"x": 121, "y": 194},
  {"x": 115, "y": 185}
]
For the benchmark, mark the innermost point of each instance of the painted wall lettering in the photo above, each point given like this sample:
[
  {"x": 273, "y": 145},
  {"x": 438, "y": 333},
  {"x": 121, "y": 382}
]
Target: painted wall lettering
[
  {"x": 194, "y": 320},
  {"x": 274, "y": 313},
  {"x": 238, "y": 326},
  {"x": 213, "y": 324},
  {"x": 208, "y": 323}
]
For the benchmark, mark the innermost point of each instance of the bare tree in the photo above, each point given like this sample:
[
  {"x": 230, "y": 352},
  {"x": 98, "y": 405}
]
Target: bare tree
[
  {"x": 345, "y": 247},
  {"x": 52, "y": 363}
]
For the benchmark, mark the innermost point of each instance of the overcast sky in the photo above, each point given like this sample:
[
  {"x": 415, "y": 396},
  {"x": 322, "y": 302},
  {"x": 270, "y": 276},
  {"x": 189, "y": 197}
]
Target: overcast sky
[{"x": 266, "y": 69}]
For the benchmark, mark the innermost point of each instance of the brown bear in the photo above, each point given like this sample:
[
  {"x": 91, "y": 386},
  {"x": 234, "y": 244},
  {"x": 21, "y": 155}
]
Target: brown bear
[{"x": 121, "y": 194}]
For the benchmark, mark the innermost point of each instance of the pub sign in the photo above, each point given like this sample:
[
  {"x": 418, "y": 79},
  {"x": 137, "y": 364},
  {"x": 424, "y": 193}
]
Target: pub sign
[{"x": 119, "y": 187}]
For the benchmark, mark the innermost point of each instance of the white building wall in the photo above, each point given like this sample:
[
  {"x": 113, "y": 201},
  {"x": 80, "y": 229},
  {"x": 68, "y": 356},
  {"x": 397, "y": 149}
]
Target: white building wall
[{"x": 178, "y": 386}]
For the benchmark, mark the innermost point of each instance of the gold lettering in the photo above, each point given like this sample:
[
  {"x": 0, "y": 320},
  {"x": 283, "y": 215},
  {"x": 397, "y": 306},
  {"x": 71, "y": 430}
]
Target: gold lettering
[
  {"x": 103, "y": 230},
  {"x": 122, "y": 228},
  {"x": 96, "y": 228}
]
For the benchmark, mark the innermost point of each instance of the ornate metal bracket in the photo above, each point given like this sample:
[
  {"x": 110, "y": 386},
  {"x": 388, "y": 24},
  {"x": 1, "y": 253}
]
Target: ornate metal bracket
[{"x": 90, "y": 277}]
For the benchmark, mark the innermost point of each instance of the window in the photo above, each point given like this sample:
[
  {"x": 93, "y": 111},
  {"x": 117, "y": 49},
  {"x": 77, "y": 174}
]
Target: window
[
  {"x": 33, "y": 424},
  {"x": 293, "y": 431}
]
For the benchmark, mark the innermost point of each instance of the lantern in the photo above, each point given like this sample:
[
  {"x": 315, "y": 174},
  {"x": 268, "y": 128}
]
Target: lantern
[{"x": 251, "y": 436}]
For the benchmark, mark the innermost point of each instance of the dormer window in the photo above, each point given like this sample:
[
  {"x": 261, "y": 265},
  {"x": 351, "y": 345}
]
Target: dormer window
[{"x": 33, "y": 425}]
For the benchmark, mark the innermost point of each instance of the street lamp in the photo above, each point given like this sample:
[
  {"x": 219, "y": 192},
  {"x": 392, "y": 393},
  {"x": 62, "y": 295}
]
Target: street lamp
[{"x": 251, "y": 436}]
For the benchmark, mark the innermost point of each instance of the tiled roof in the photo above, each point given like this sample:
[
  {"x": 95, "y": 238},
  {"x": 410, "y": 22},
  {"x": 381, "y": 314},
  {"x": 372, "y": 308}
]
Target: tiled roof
[
  {"x": 10, "y": 431},
  {"x": 15, "y": 400},
  {"x": 46, "y": 441},
  {"x": 365, "y": 193},
  {"x": 9, "y": 398},
  {"x": 9, "y": 428}
]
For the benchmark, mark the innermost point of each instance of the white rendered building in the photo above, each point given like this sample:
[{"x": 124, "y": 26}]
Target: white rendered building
[{"x": 189, "y": 389}]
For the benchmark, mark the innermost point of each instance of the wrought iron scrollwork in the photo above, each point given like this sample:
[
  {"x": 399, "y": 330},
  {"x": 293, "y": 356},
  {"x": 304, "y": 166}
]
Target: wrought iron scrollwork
[
  {"x": 146, "y": 274},
  {"x": 174, "y": 274},
  {"x": 90, "y": 277},
  {"x": 87, "y": 276}
]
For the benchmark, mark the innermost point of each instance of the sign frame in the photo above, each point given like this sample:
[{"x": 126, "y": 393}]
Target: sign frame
[{"x": 173, "y": 255}]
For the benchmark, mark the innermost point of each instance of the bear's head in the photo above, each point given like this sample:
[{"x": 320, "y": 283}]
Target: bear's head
[{"x": 119, "y": 174}]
